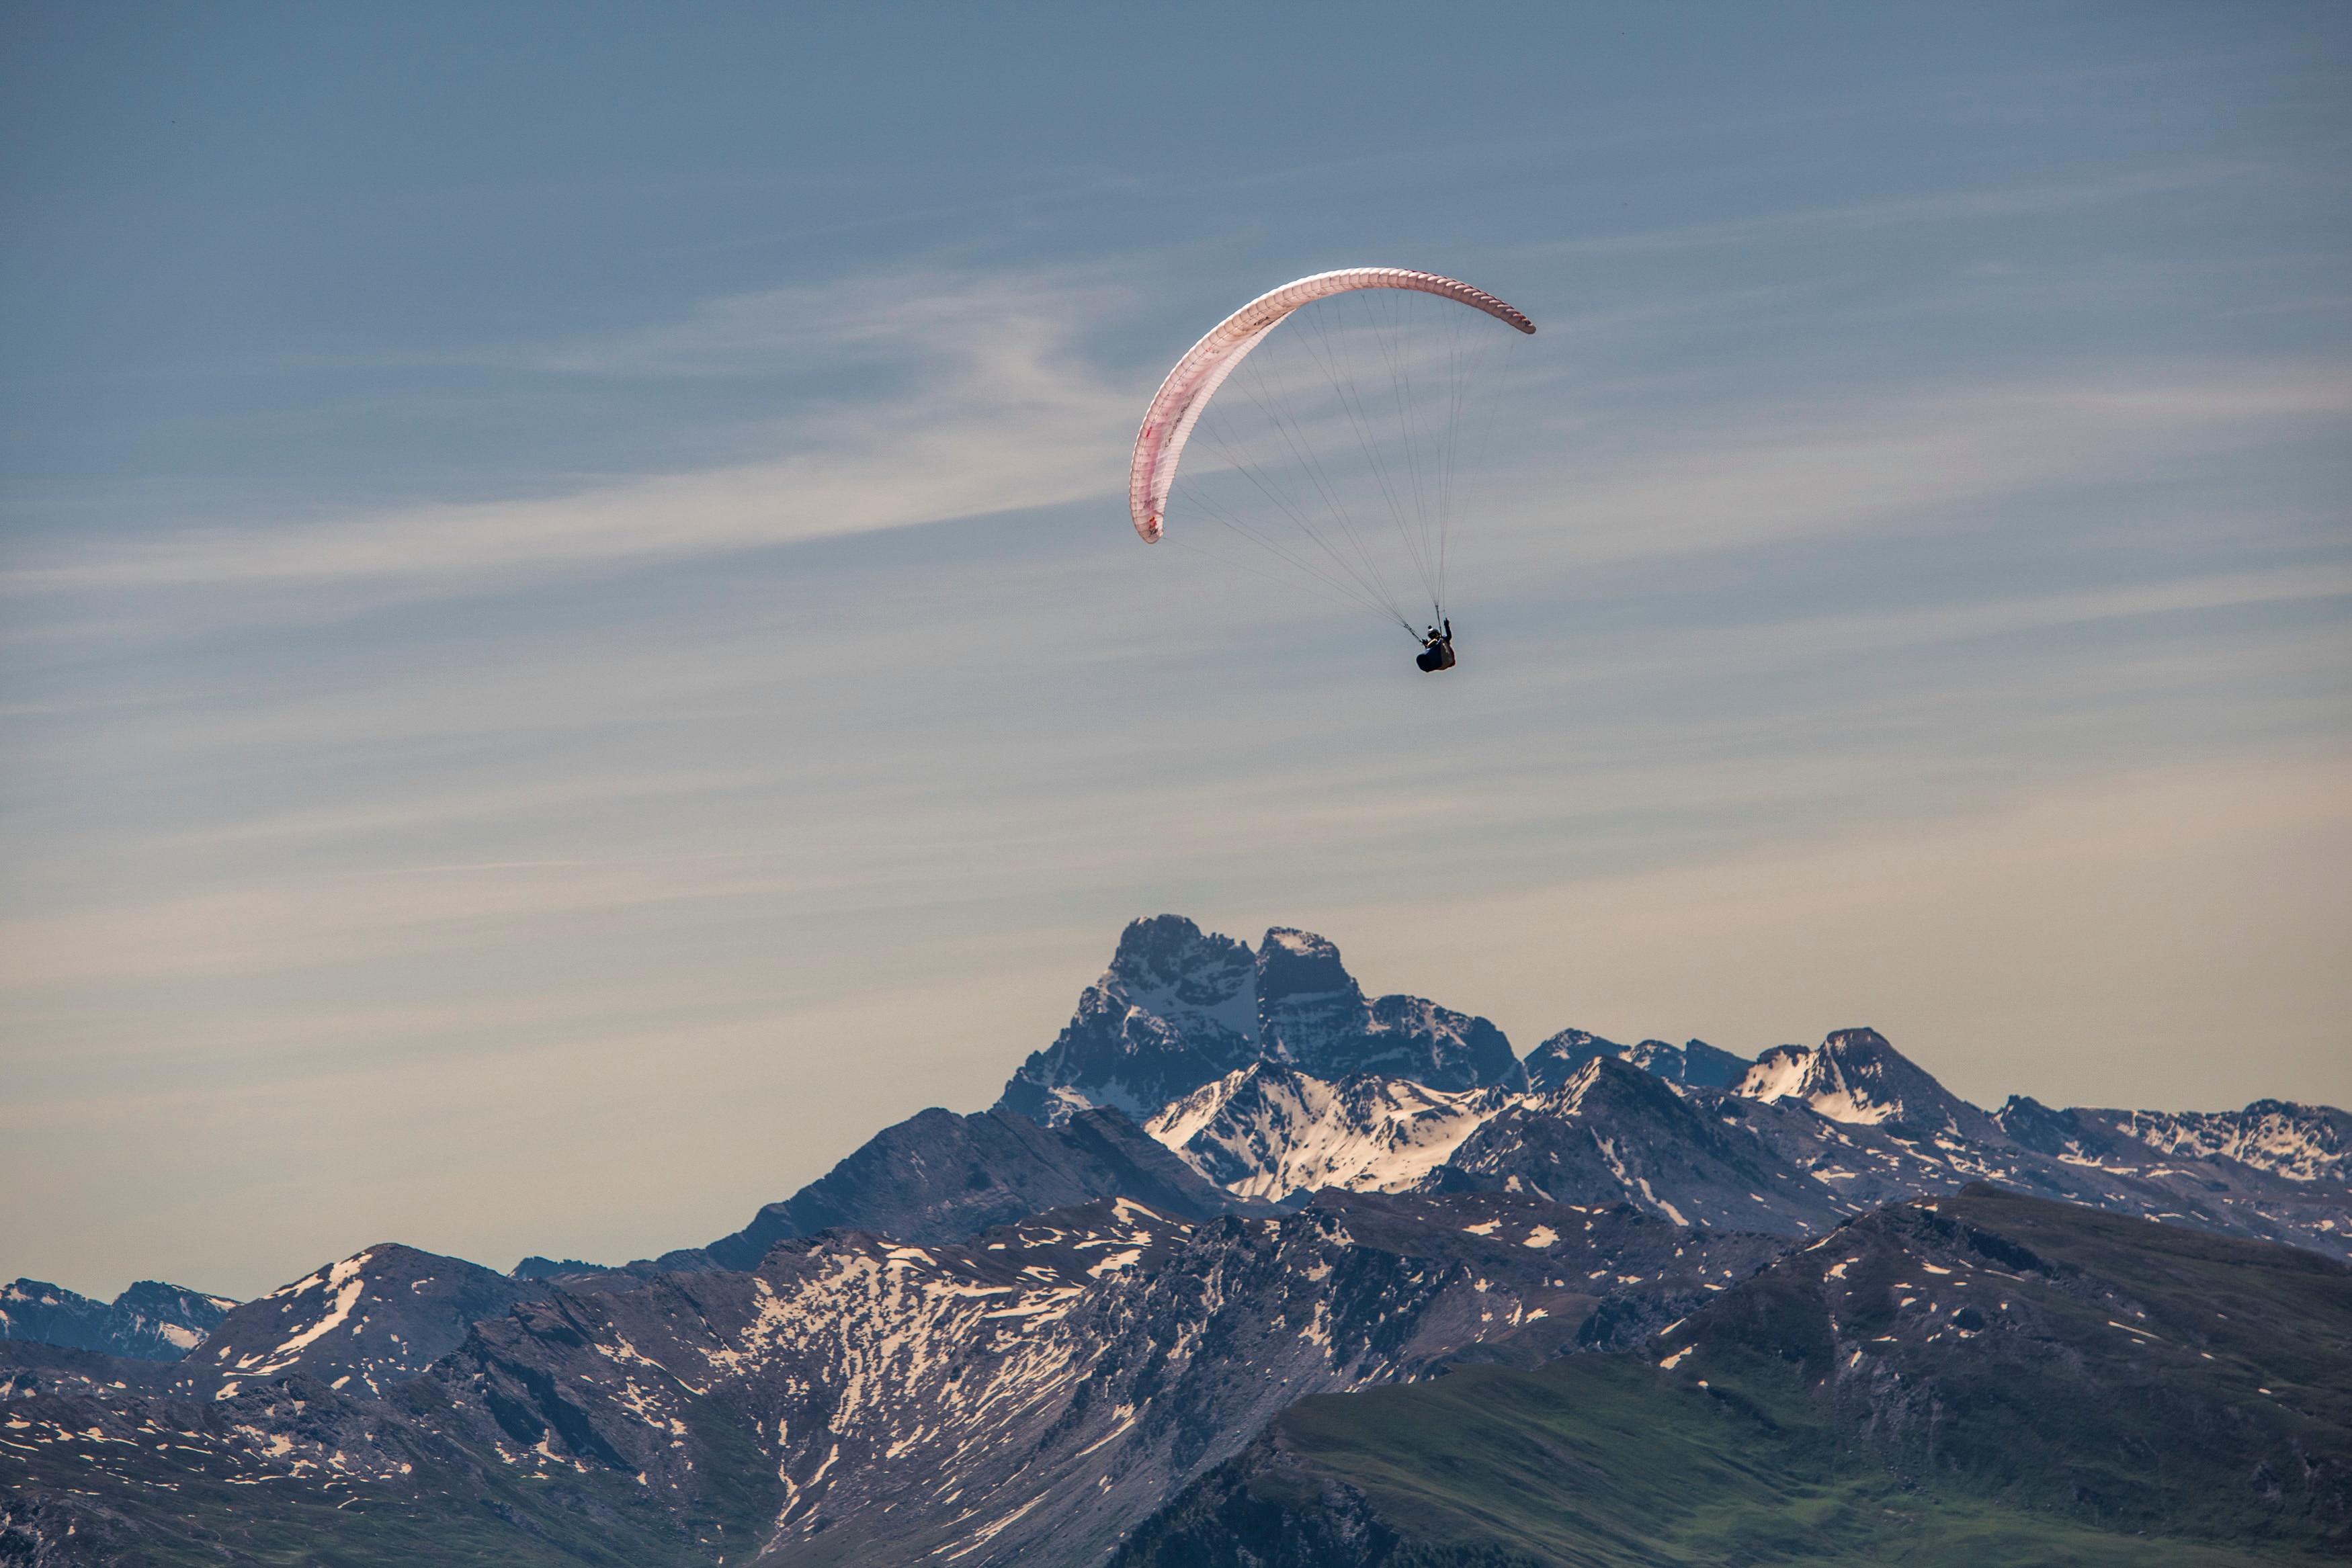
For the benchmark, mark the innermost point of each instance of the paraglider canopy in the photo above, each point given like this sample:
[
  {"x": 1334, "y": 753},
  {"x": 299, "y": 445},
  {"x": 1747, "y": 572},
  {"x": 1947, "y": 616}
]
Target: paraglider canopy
[{"x": 1185, "y": 396}]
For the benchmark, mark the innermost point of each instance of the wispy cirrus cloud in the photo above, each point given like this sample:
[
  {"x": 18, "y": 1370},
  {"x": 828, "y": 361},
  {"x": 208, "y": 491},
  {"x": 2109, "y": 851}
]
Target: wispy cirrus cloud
[
  {"x": 976, "y": 399},
  {"x": 999, "y": 407}
]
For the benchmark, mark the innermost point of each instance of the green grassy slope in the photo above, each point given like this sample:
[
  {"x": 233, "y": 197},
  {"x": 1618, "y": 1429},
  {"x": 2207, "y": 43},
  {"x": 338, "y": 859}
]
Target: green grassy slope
[{"x": 1929, "y": 1385}]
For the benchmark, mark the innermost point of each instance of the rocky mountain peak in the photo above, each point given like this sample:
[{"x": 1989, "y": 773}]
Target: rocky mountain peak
[
  {"x": 1310, "y": 1011},
  {"x": 1299, "y": 964},
  {"x": 1612, "y": 1132},
  {"x": 936, "y": 1175},
  {"x": 1855, "y": 1076},
  {"x": 2030, "y": 1125},
  {"x": 1313, "y": 1016},
  {"x": 379, "y": 1316},
  {"x": 1168, "y": 955},
  {"x": 1177, "y": 1008},
  {"x": 1695, "y": 1063},
  {"x": 1709, "y": 1067},
  {"x": 1610, "y": 1085},
  {"x": 1180, "y": 1008}
]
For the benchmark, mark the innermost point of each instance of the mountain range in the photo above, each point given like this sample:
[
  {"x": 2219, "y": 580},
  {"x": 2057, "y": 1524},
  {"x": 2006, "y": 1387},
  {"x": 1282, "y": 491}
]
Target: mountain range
[
  {"x": 149, "y": 1321},
  {"x": 1234, "y": 1183}
]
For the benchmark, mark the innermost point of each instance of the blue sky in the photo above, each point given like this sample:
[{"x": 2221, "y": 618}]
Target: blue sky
[{"x": 573, "y": 648}]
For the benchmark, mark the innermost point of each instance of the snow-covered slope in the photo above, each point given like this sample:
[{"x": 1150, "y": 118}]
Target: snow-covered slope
[{"x": 1267, "y": 1132}]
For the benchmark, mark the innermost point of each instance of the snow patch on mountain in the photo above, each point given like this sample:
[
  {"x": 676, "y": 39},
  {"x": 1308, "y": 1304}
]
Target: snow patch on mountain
[
  {"x": 344, "y": 1286},
  {"x": 1267, "y": 1132},
  {"x": 2302, "y": 1143}
]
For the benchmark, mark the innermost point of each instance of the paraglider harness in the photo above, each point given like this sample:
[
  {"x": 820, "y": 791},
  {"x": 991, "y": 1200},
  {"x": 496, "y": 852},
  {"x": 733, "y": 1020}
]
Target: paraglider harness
[{"x": 1437, "y": 650}]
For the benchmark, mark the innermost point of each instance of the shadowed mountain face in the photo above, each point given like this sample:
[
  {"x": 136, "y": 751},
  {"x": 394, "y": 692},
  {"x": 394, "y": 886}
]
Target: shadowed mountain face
[
  {"x": 1177, "y": 1008},
  {"x": 2134, "y": 1374},
  {"x": 938, "y": 1175},
  {"x": 1978, "y": 1379},
  {"x": 149, "y": 1321}
]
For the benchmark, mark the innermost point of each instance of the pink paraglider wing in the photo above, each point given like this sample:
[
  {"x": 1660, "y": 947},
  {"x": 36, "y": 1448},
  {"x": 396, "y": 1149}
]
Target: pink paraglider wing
[{"x": 1185, "y": 394}]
